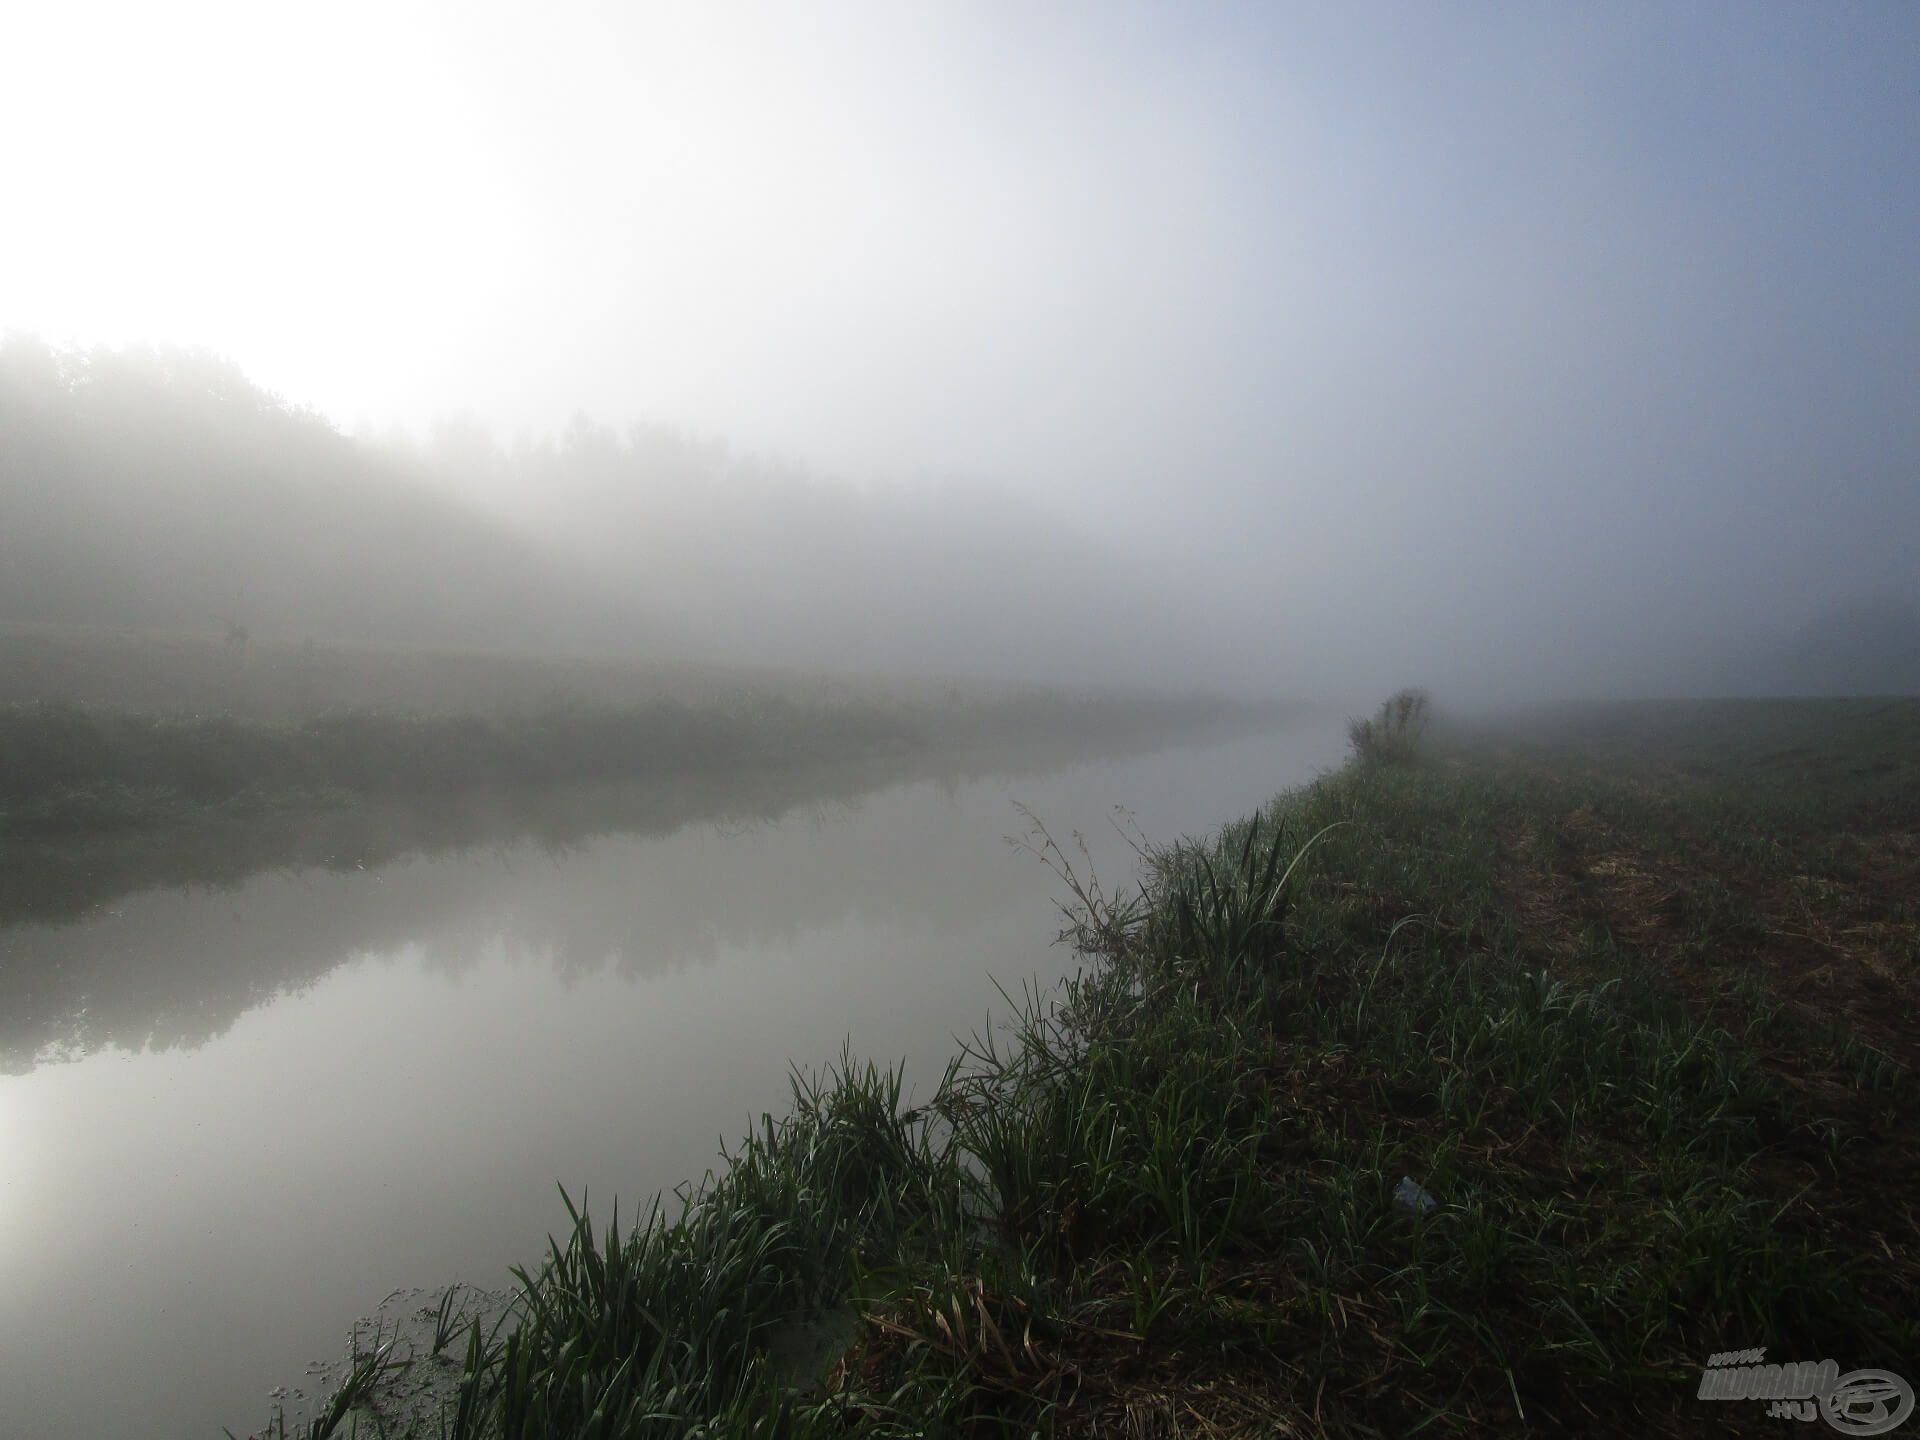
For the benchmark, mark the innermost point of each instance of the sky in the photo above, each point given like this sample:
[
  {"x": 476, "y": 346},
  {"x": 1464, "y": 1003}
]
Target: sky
[{"x": 1598, "y": 322}]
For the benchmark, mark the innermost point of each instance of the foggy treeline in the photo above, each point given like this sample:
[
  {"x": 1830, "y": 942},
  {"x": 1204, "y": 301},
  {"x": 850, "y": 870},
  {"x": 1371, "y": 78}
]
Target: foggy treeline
[
  {"x": 747, "y": 559},
  {"x": 161, "y": 490}
]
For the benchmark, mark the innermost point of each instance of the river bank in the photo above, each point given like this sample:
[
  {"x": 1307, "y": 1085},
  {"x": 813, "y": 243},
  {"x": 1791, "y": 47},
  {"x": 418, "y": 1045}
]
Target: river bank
[
  {"x": 1490, "y": 1087},
  {"x": 69, "y": 770}
]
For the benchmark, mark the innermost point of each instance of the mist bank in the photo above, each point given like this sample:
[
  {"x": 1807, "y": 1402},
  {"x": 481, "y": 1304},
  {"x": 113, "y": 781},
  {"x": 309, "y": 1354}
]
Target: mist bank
[
  {"x": 159, "y": 491},
  {"x": 754, "y": 560},
  {"x": 750, "y": 559},
  {"x": 161, "y": 495}
]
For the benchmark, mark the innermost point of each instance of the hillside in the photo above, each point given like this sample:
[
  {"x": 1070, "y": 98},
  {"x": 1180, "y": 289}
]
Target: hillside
[{"x": 162, "y": 489}]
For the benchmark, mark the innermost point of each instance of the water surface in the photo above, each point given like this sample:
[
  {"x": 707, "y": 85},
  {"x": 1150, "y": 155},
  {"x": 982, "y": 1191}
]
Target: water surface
[{"x": 236, "y": 1114}]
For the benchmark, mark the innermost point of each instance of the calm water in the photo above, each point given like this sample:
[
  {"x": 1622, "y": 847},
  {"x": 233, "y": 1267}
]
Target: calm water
[{"x": 235, "y": 1115}]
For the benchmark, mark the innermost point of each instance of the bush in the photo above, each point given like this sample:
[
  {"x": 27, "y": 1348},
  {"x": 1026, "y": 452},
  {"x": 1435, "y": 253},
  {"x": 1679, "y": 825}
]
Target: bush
[{"x": 1394, "y": 732}]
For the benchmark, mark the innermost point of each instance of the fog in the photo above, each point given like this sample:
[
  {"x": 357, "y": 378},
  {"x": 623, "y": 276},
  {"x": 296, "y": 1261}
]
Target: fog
[{"x": 1308, "y": 350}]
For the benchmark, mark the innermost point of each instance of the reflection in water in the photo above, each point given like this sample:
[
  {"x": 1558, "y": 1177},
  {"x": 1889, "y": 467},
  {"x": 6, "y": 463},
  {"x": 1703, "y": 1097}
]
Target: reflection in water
[
  {"x": 124, "y": 942},
  {"x": 289, "y": 1092}
]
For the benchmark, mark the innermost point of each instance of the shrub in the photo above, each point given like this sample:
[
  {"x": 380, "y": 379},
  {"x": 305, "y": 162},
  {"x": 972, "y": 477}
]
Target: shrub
[{"x": 1395, "y": 730}]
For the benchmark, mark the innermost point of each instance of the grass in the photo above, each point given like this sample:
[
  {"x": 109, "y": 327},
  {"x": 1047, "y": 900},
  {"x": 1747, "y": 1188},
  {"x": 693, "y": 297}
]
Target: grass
[
  {"x": 68, "y": 769},
  {"x": 1628, "y": 992},
  {"x": 65, "y": 766}
]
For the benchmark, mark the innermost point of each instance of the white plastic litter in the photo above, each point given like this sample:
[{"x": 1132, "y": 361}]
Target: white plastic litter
[{"x": 1410, "y": 1197}]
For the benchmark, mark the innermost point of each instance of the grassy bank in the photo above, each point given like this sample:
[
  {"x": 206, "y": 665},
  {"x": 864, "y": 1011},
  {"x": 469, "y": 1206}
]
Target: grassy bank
[
  {"x": 68, "y": 768},
  {"x": 263, "y": 678},
  {"x": 1626, "y": 992}
]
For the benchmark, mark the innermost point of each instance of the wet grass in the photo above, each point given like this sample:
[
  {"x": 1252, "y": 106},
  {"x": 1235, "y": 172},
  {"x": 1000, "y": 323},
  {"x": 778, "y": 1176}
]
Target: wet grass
[{"x": 1162, "y": 1202}]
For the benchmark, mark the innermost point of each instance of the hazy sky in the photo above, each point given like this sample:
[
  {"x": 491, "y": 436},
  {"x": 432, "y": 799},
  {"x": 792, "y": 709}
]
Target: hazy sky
[{"x": 1608, "y": 302}]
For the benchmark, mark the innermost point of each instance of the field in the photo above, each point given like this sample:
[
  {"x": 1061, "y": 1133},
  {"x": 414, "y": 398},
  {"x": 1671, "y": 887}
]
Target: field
[
  {"x": 1625, "y": 992},
  {"x": 213, "y": 671},
  {"x": 104, "y": 731}
]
